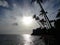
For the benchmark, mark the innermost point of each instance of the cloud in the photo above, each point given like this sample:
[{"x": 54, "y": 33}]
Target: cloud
[
  {"x": 10, "y": 19},
  {"x": 15, "y": 24},
  {"x": 4, "y": 3},
  {"x": 51, "y": 6}
]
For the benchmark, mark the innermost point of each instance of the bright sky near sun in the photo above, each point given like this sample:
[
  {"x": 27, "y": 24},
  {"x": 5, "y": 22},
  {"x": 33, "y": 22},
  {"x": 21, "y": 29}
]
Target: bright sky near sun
[{"x": 27, "y": 20}]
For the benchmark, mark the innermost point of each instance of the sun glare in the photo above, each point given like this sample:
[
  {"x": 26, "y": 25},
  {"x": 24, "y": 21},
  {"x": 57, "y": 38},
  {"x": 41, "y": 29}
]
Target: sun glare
[{"x": 27, "y": 20}]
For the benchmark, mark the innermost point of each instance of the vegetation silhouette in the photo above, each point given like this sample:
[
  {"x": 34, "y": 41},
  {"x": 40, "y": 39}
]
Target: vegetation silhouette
[{"x": 50, "y": 34}]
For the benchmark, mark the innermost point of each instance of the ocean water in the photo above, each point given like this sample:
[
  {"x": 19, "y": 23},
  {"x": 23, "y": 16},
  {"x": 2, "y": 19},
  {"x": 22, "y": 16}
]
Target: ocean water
[{"x": 25, "y": 39}]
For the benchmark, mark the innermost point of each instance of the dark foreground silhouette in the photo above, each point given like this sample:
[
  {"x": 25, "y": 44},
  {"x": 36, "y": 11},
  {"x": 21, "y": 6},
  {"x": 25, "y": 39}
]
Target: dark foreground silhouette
[{"x": 53, "y": 34}]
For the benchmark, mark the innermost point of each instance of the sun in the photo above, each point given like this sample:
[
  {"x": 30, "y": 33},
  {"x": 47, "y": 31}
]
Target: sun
[{"x": 27, "y": 20}]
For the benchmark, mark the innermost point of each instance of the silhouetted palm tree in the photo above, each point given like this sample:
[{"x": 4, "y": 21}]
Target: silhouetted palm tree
[
  {"x": 37, "y": 1},
  {"x": 58, "y": 14},
  {"x": 44, "y": 13}
]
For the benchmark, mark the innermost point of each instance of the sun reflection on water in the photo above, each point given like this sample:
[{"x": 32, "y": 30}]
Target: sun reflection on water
[
  {"x": 32, "y": 40},
  {"x": 27, "y": 39}
]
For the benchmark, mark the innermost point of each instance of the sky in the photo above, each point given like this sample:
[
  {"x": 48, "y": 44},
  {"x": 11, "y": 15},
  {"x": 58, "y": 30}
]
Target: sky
[{"x": 12, "y": 11}]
